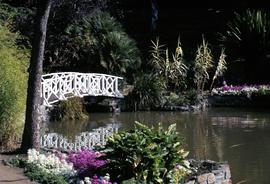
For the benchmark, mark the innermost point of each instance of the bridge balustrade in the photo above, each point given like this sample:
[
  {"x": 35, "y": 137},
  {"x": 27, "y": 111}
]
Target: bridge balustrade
[{"x": 60, "y": 86}]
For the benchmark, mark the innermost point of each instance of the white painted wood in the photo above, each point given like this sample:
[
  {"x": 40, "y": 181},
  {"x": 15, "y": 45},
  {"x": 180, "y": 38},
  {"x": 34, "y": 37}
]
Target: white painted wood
[{"x": 60, "y": 86}]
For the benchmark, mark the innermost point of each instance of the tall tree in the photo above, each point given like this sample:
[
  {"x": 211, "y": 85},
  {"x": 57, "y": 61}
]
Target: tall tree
[{"x": 33, "y": 118}]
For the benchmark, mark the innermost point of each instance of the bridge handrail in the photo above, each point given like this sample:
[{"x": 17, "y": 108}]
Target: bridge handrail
[
  {"x": 63, "y": 85},
  {"x": 61, "y": 73}
]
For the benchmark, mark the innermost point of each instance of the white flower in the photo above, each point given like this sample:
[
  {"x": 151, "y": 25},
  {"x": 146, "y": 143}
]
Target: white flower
[
  {"x": 50, "y": 163},
  {"x": 87, "y": 180},
  {"x": 186, "y": 163}
]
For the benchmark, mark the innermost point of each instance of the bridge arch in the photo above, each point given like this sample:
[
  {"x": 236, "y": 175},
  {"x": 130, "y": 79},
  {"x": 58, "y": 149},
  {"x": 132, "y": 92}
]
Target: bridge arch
[{"x": 63, "y": 85}]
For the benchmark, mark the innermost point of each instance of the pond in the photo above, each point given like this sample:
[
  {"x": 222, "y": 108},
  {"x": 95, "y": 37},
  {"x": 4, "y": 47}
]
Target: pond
[{"x": 236, "y": 135}]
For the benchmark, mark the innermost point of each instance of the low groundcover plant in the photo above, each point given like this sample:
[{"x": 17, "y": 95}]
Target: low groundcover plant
[
  {"x": 51, "y": 163},
  {"x": 246, "y": 90}
]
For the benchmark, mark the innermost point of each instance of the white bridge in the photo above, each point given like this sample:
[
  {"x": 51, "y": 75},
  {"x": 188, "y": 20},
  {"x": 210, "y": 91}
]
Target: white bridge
[{"x": 60, "y": 86}]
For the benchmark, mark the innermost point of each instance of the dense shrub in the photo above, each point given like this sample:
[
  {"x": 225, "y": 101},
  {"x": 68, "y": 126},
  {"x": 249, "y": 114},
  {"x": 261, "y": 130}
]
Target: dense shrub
[
  {"x": 70, "y": 109},
  {"x": 19, "y": 19},
  {"x": 36, "y": 174},
  {"x": 96, "y": 43},
  {"x": 147, "y": 154},
  {"x": 13, "y": 64},
  {"x": 147, "y": 92}
]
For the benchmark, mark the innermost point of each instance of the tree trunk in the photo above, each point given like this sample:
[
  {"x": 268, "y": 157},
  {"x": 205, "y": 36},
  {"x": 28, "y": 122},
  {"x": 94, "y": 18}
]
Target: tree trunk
[{"x": 33, "y": 118}]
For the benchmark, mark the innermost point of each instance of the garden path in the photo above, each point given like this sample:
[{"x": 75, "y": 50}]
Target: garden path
[{"x": 11, "y": 175}]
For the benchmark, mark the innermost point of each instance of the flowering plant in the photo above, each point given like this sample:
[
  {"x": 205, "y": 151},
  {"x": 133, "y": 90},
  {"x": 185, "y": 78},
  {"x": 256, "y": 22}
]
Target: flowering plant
[
  {"x": 50, "y": 163},
  {"x": 86, "y": 160},
  {"x": 247, "y": 90},
  {"x": 96, "y": 180}
]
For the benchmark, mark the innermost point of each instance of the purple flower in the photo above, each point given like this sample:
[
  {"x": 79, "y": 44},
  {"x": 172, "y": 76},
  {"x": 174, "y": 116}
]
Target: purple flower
[{"x": 86, "y": 160}]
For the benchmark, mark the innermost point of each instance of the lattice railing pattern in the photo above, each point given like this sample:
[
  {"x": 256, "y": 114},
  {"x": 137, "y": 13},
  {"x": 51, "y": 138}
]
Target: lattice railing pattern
[
  {"x": 60, "y": 86},
  {"x": 87, "y": 140}
]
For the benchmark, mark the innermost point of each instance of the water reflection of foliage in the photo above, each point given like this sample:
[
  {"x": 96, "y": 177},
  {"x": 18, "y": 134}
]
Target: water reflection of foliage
[
  {"x": 240, "y": 122},
  {"x": 69, "y": 129}
]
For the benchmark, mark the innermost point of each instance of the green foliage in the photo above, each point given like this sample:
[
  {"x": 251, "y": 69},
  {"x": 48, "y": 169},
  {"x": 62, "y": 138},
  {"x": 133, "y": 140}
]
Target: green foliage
[
  {"x": 68, "y": 110},
  {"x": 203, "y": 62},
  {"x": 18, "y": 19},
  {"x": 172, "y": 69},
  {"x": 147, "y": 91},
  {"x": 13, "y": 63},
  {"x": 133, "y": 181},
  {"x": 247, "y": 39},
  {"x": 249, "y": 29},
  {"x": 262, "y": 91},
  {"x": 17, "y": 162},
  {"x": 36, "y": 174},
  {"x": 100, "y": 44},
  {"x": 189, "y": 97},
  {"x": 174, "y": 100},
  {"x": 145, "y": 154}
]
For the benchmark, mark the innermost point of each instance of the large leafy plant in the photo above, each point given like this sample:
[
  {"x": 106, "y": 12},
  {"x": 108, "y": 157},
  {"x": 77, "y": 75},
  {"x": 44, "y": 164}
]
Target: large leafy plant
[{"x": 147, "y": 155}]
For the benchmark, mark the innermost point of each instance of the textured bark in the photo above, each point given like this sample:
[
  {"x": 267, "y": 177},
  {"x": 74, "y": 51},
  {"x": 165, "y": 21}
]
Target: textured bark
[{"x": 33, "y": 118}]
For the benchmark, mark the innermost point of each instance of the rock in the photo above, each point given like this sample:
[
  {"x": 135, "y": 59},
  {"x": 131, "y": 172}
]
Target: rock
[
  {"x": 211, "y": 179},
  {"x": 227, "y": 181},
  {"x": 227, "y": 172},
  {"x": 208, "y": 178},
  {"x": 191, "y": 182},
  {"x": 202, "y": 179},
  {"x": 211, "y": 172}
]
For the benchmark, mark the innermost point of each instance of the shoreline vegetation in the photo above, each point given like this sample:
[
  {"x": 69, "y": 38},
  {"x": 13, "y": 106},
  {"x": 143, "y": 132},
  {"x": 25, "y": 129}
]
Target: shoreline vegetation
[
  {"x": 165, "y": 161},
  {"x": 171, "y": 75}
]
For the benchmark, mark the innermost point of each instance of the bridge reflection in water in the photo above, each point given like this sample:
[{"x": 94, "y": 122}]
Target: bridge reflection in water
[{"x": 88, "y": 140}]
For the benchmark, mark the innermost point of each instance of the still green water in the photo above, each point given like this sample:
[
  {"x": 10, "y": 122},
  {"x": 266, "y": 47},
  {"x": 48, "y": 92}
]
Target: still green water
[{"x": 240, "y": 137}]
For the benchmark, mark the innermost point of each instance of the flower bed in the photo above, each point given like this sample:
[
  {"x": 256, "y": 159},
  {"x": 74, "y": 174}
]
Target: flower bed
[
  {"x": 246, "y": 90},
  {"x": 142, "y": 155}
]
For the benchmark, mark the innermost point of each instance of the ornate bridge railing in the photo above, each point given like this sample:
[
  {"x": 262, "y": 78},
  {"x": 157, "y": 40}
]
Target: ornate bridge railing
[
  {"x": 96, "y": 137},
  {"x": 60, "y": 86}
]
